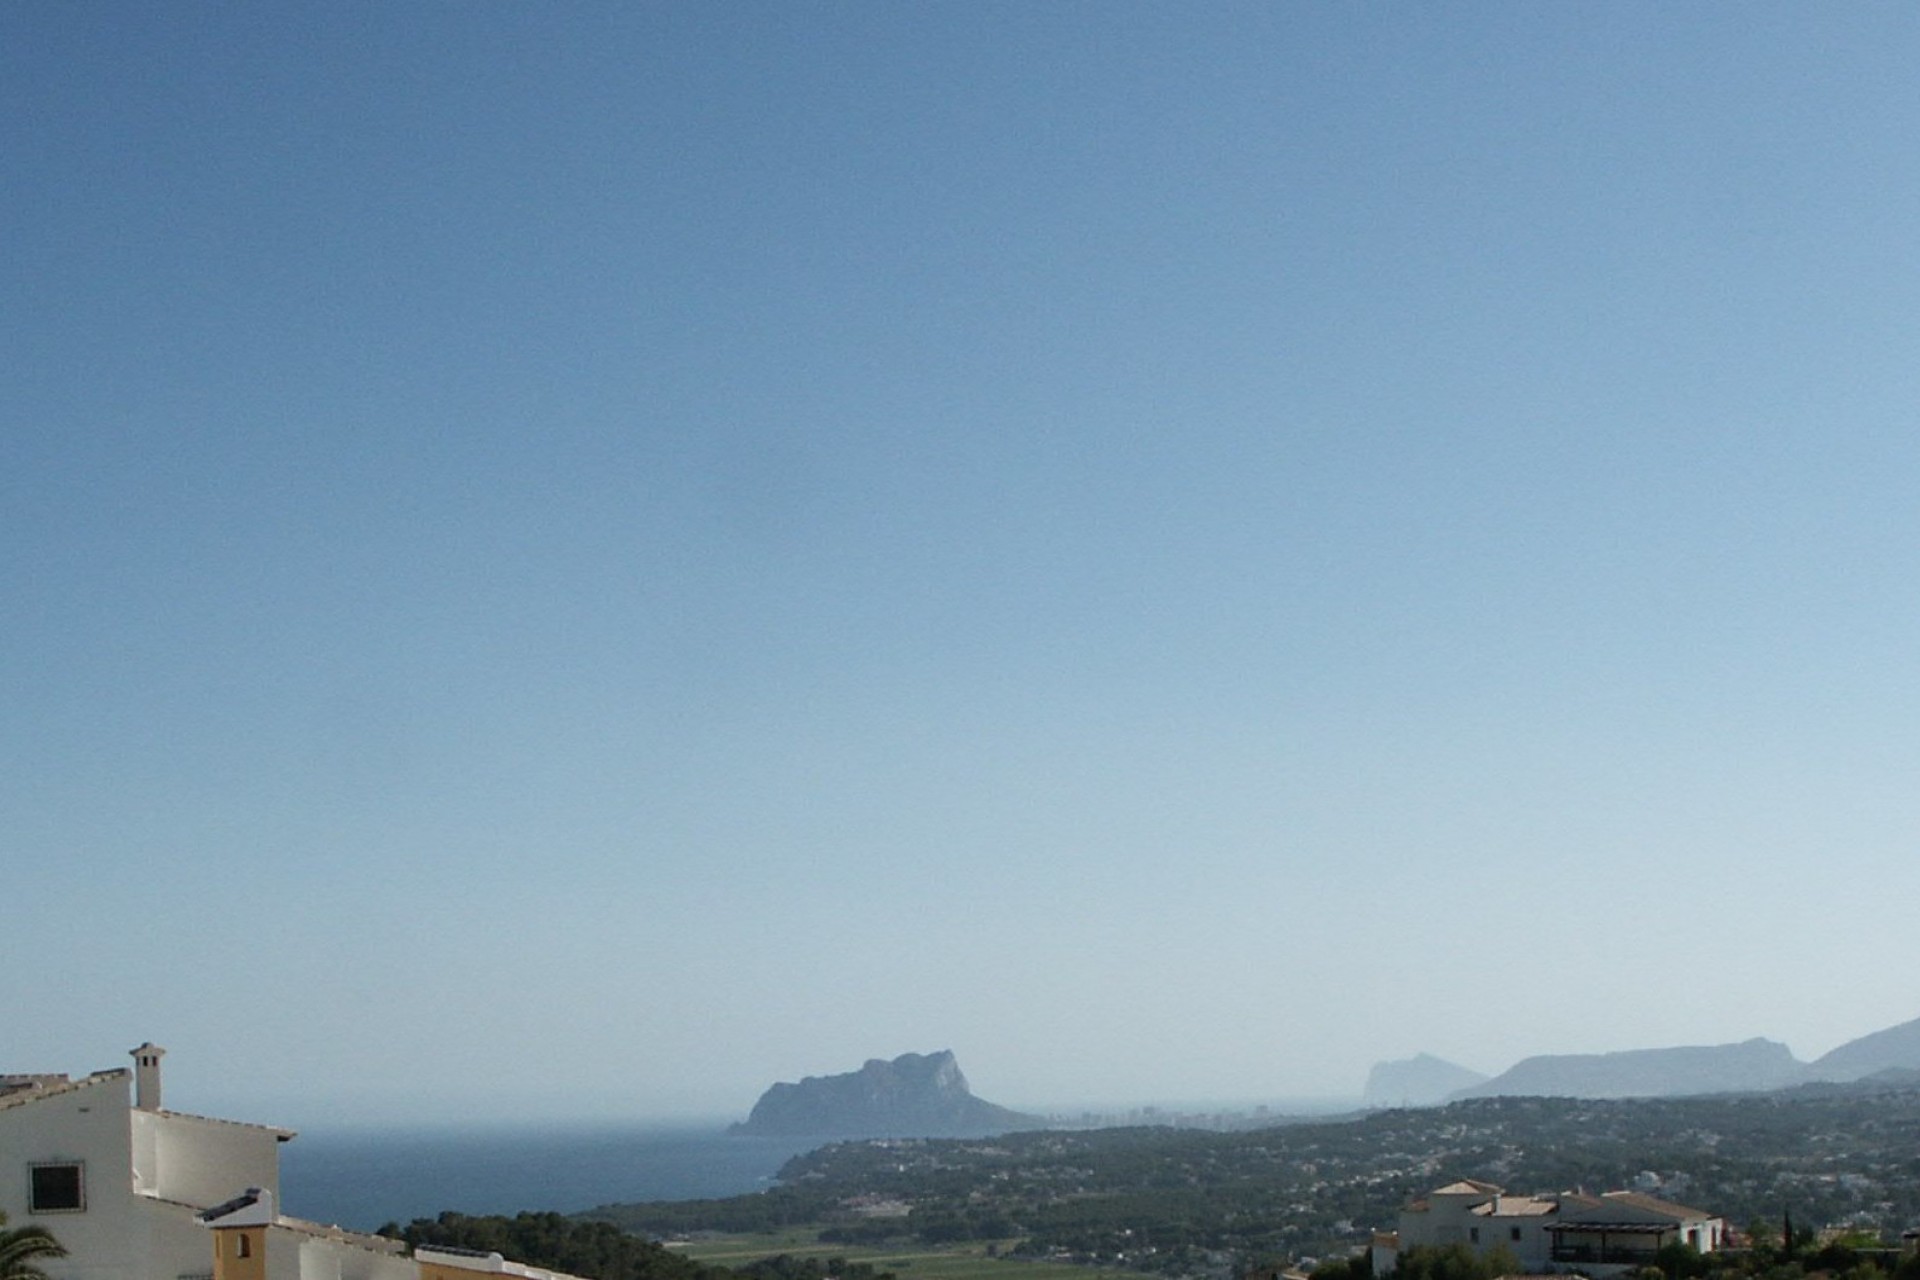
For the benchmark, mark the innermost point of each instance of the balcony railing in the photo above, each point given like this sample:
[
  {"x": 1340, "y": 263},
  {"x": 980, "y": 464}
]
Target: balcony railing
[{"x": 1594, "y": 1253}]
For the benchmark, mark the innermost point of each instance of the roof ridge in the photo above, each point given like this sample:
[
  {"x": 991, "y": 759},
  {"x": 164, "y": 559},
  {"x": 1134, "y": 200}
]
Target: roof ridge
[
  {"x": 243, "y": 1124},
  {"x": 57, "y": 1085}
]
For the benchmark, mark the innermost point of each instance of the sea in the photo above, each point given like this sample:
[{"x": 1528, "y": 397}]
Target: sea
[{"x": 365, "y": 1178}]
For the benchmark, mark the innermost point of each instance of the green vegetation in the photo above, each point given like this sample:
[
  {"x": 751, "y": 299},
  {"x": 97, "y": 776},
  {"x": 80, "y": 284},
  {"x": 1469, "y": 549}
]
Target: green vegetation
[
  {"x": 600, "y": 1251},
  {"x": 1837, "y": 1259},
  {"x": 1199, "y": 1203},
  {"x": 985, "y": 1261},
  {"x": 799, "y": 1266},
  {"x": 592, "y": 1250},
  {"x": 23, "y": 1248},
  {"x": 1454, "y": 1262}
]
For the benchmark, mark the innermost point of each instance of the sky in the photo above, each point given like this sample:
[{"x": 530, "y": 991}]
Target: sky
[{"x": 575, "y": 561}]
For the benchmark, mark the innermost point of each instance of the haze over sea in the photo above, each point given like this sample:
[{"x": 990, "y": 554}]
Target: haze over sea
[{"x": 362, "y": 1178}]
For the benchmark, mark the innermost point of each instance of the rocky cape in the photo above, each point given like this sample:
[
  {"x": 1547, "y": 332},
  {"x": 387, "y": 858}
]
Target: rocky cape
[
  {"x": 1752, "y": 1066},
  {"x": 917, "y": 1095}
]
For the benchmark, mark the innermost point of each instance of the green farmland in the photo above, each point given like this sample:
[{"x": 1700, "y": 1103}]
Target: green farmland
[{"x": 957, "y": 1262}]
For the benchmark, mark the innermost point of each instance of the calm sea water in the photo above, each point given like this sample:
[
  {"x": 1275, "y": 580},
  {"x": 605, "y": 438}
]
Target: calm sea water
[{"x": 363, "y": 1179}]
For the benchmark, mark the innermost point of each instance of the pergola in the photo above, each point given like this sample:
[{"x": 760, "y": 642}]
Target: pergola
[{"x": 1636, "y": 1240}]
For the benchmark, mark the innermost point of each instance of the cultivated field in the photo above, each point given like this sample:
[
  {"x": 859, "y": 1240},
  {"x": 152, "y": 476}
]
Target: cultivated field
[{"x": 957, "y": 1262}]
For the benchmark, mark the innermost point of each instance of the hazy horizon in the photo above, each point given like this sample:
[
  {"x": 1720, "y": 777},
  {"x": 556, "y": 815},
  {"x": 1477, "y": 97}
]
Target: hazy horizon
[
  {"x": 585, "y": 560},
  {"x": 348, "y": 1122},
  {"x": 346, "y": 1113}
]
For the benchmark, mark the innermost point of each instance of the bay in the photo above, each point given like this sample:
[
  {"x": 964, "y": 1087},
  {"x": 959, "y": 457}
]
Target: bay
[{"x": 363, "y": 1179}]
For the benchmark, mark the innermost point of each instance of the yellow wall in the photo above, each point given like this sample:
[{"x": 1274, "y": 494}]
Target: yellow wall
[{"x": 228, "y": 1245}]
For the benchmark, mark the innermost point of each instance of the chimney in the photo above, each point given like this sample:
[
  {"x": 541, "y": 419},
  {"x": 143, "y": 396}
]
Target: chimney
[{"x": 146, "y": 1076}]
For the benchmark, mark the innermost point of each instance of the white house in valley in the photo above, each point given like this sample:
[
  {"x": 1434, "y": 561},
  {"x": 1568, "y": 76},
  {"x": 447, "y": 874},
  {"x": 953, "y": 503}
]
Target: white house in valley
[
  {"x": 1600, "y": 1235},
  {"x": 136, "y": 1192},
  {"x": 1622, "y": 1229}
]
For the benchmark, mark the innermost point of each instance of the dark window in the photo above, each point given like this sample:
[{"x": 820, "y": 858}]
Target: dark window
[
  {"x": 57, "y": 1188},
  {"x": 1514, "y": 1232},
  {"x": 1473, "y": 1234},
  {"x": 243, "y": 1247}
]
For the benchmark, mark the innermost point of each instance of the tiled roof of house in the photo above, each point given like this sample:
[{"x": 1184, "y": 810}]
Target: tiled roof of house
[
  {"x": 1516, "y": 1207},
  {"x": 34, "y": 1088},
  {"x": 1467, "y": 1187},
  {"x": 340, "y": 1235},
  {"x": 227, "y": 1208},
  {"x": 1653, "y": 1204},
  {"x": 489, "y": 1263}
]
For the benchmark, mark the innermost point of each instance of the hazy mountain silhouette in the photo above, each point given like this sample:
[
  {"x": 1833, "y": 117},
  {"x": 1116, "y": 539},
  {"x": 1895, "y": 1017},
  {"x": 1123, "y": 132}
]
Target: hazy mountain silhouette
[
  {"x": 1896, "y": 1048},
  {"x": 914, "y": 1096},
  {"x": 1419, "y": 1081},
  {"x": 1755, "y": 1065},
  {"x": 1749, "y": 1066}
]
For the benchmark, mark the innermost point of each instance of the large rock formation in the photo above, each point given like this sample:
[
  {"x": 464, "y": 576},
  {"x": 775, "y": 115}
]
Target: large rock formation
[
  {"x": 914, "y": 1096},
  {"x": 1419, "y": 1081},
  {"x": 1749, "y": 1066}
]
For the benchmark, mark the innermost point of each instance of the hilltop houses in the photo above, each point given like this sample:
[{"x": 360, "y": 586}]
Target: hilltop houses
[
  {"x": 137, "y": 1192},
  {"x": 1601, "y": 1235}
]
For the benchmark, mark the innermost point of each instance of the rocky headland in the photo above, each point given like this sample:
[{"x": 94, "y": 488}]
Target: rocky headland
[{"x": 917, "y": 1095}]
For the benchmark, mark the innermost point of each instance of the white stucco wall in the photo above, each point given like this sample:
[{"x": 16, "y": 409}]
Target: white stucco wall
[
  {"x": 1445, "y": 1220},
  {"x": 1534, "y": 1246},
  {"x": 1450, "y": 1219},
  {"x": 323, "y": 1259},
  {"x": 88, "y": 1125},
  {"x": 118, "y": 1235},
  {"x": 204, "y": 1162}
]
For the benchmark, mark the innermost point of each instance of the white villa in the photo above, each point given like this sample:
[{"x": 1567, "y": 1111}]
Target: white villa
[
  {"x": 1600, "y": 1235},
  {"x": 137, "y": 1192}
]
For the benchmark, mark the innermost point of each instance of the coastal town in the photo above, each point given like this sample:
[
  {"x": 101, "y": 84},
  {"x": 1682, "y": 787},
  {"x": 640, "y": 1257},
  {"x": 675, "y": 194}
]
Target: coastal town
[{"x": 121, "y": 1188}]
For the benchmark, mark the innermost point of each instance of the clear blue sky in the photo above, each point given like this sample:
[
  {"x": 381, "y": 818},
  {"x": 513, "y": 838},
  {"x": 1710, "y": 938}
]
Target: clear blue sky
[{"x": 584, "y": 559}]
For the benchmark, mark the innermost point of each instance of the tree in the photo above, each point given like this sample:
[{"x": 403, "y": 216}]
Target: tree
[
  {"x": 1454, "y": 1262},
  {"x": 22, "y": 1247},
  {"x": 1357, "y": 1267},
  {"x": 1678, "y": 1260},
  {"x": 1763, "y": 1236}
]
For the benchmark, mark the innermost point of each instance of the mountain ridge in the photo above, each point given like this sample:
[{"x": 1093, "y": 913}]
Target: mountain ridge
[{"x": 1756, "y": 1065}]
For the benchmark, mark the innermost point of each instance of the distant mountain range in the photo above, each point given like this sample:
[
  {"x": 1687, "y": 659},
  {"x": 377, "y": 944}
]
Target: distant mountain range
[
  {"x": 917, "y": 1095},
  {"x": 1752, "y": 1066}
]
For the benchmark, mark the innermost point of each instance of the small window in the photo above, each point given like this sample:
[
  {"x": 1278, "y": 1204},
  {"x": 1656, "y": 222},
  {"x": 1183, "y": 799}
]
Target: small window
[
  {"x": 1473, "y": 1234},
  {"x": 1513, "y": 1232},
  {"x": 243, "y": 1245},
  {"x": 57, "y": 1188}
]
